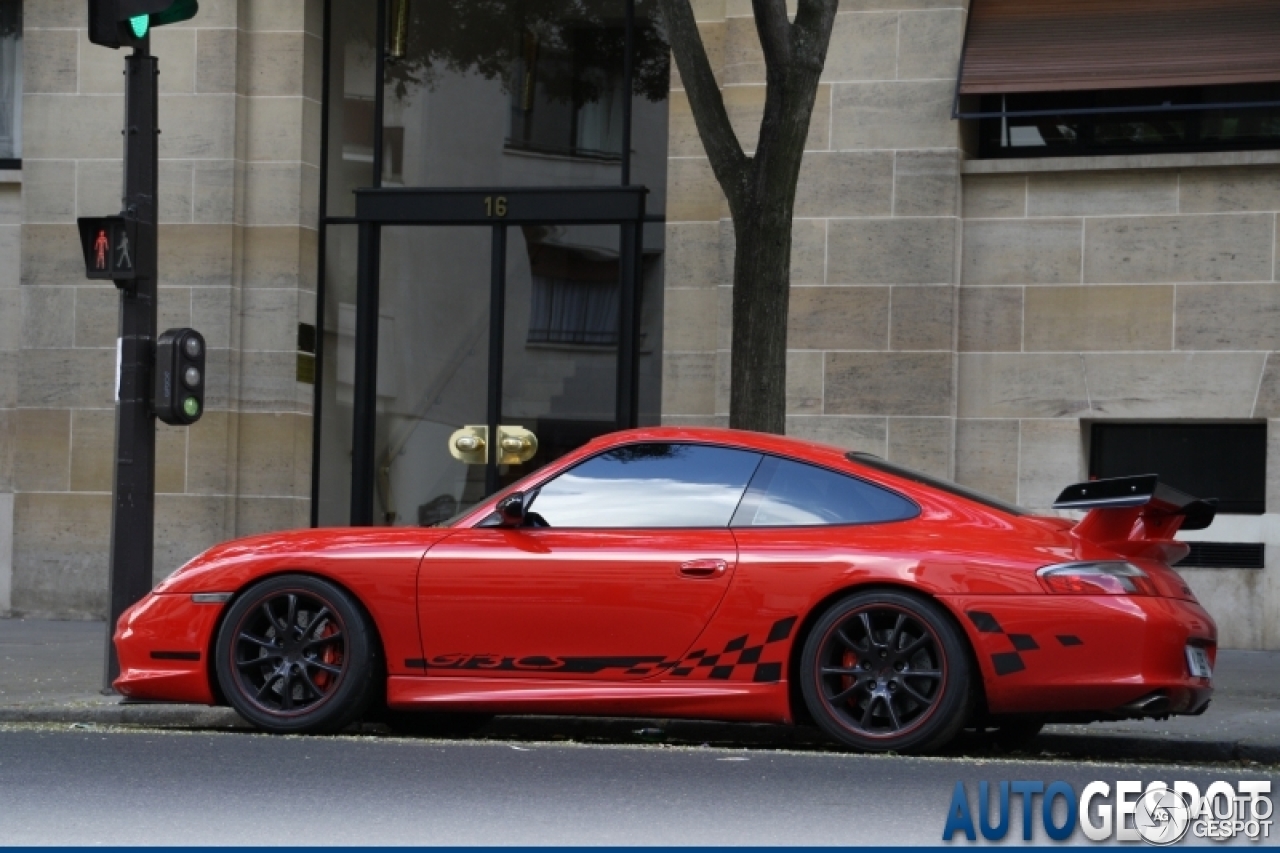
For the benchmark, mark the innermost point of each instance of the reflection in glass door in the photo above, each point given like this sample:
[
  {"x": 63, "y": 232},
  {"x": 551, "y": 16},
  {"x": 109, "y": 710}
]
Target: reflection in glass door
[
  {"x": 560, "y": 361},
  {"x": 433, "y": 344}
]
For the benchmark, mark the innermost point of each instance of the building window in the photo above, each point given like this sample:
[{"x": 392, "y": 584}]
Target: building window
[
  {"x": 1100, "y": 77},
  {"x": 10, "y": 84},
  {"x": 1223, "y": 461},
  {"x": 1130, "y": 121}
]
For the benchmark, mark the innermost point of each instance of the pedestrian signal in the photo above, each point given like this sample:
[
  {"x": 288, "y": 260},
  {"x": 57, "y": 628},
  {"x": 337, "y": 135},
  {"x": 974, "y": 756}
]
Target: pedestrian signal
[
  {"x": 178, "y": 397},
  {"x": 110, "y": 246},
  {"x": 126, "y": 23}
]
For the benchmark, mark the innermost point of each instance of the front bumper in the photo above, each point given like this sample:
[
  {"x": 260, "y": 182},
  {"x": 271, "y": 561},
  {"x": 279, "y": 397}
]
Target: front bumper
[
  {"x": 163, "y": 644},
  {"x": 1104, "y": 655}
]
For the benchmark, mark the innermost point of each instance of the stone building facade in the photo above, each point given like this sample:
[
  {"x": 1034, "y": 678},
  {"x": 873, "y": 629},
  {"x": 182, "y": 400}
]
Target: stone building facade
[{"x": 969, "y": 317}]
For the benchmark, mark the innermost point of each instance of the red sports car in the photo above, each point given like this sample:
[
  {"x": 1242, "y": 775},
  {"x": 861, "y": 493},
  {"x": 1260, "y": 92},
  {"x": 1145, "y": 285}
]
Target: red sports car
[{"x": 701, "y": 573}]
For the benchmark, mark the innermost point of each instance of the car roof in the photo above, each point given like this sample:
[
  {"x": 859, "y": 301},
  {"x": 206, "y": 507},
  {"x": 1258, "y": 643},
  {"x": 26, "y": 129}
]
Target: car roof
[{"x": 745, "y": 439}]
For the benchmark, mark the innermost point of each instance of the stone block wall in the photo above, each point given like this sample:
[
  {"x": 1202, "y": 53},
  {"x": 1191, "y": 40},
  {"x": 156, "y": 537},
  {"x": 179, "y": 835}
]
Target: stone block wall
[
  {"x": 10, "y": 346},
  {"x": 239, "y": 176},
  {"x": 876, "y": 238},
  {"x": 1121, "y": 289}
]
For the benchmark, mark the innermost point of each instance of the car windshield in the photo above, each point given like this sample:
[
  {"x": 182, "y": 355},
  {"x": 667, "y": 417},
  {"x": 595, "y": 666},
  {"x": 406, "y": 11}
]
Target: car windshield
[{"x": 873, "y": 461}]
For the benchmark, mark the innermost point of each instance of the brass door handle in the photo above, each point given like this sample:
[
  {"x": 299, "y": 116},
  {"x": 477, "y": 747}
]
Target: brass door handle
[
  {"x": 516, "y": 445},
  {"x": 470, "y": 445}
]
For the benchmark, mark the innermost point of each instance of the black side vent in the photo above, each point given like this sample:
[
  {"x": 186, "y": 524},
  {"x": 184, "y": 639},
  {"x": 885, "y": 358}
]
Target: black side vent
[{"x": 1224, "y": 555}]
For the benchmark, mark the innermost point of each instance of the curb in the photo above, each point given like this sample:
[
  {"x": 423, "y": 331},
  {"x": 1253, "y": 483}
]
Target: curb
[{"x": 1050, "y": 745}]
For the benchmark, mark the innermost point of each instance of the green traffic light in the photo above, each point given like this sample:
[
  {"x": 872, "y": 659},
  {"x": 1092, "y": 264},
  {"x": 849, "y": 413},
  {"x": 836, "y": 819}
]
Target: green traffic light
[
  {"x": 191, "y": 407},
  {"x": 140, "y": 24}
]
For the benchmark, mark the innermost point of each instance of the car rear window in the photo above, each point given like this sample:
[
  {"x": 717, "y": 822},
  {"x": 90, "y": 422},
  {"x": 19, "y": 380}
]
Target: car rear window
[{"x": 786, "y": 493}]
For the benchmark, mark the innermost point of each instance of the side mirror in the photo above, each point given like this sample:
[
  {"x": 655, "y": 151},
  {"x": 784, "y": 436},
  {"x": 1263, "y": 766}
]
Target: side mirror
[{"x": 511, "y": 510}]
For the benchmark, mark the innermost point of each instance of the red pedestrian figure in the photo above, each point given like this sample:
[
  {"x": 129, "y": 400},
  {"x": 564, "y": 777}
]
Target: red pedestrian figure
[{"x": 101, "y": 245}]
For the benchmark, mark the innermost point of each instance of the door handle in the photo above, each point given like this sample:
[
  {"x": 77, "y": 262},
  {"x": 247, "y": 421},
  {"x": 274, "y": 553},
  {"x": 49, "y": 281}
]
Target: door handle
[{"x": 704, "y": 568}]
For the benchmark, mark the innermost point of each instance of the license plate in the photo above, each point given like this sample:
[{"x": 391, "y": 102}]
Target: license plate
[{"x": 1198, "y": 662}]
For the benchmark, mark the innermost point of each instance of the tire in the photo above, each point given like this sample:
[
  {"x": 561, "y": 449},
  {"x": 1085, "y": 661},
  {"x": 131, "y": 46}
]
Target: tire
[
  {"x": 296, "y": 654},
  {"x": 887, "y": 671},
  {"x": 438, "y": 724}
]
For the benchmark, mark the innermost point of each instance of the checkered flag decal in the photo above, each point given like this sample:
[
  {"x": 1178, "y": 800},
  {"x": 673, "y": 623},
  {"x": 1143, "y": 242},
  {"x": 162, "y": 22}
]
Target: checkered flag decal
[
  {"x": 736, "y": 653},
  {"x": 1007, "y": 663}
]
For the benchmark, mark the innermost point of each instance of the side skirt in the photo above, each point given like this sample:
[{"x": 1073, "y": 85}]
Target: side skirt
[{"x": 743, "y": 702}]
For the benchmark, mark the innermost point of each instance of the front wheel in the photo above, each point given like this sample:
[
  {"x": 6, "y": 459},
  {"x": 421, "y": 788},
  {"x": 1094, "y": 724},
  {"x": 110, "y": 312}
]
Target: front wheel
[
  {"x": 296, "y": 654},
  {"x": 887, "y": 671}
]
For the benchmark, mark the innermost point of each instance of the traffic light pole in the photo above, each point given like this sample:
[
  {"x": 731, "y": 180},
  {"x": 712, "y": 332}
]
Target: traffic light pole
[{"x": 133, "y": 511}]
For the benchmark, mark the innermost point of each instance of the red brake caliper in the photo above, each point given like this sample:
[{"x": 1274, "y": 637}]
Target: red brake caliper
[
  {"x": 331, "y": 655},
  {"x": 849, "y": 661}
]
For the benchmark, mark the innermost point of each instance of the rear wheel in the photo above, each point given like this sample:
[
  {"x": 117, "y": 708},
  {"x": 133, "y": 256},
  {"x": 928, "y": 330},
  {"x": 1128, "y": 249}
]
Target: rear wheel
[
  {"x": 886, "y": 671},
  {"x": 296, "y": 654}
]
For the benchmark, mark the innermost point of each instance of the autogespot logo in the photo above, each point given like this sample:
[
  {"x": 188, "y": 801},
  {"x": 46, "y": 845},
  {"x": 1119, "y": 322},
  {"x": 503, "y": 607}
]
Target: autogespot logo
[{"x": 1158, "y": 814}]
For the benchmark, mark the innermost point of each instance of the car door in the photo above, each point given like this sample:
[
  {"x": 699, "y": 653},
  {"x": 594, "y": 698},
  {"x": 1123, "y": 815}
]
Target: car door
[{"x": 633, "y": 562}]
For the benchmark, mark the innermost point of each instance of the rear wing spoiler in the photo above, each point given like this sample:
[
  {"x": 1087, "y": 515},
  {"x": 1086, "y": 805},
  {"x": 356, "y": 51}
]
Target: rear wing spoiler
[
  {"x": 1140, "y": 491},
  {"x": 1137, "y": 516}
]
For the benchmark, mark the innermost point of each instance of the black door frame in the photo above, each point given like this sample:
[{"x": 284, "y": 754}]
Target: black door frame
[{"x": 499, "y": 208}]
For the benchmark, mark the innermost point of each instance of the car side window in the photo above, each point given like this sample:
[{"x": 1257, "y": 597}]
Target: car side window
[
  {"x": 649, "y": 485},
  {"x": 785, "y": 493}
]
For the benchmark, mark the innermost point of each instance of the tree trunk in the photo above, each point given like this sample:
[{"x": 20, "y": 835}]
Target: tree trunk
[
  {"x": 761, "y": 295},
  {"x": 761, "y": 189}
]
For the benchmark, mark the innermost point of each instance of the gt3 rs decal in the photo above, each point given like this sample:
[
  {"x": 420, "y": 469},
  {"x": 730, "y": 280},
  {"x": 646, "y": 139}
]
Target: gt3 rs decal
[
  {"x": 699, "y": 664},
  {"x": 1007, "y": 663},
  {"x": 538, "y": 663}
]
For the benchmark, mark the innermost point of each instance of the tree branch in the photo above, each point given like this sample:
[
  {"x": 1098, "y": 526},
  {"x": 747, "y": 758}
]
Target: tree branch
[
  {"x": 811, "y": 33},
  {"x": 775, "y": 33},
  {"x": 709, "y": 114}
]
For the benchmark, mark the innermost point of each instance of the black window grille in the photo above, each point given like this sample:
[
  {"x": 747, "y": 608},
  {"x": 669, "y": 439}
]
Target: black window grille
[
  {"x": 1224, "y": 555},
  {"x": 1223, "y": 461}
]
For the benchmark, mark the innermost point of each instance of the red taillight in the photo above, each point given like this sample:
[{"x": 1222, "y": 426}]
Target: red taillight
[{"x": 1096, "y": 577}]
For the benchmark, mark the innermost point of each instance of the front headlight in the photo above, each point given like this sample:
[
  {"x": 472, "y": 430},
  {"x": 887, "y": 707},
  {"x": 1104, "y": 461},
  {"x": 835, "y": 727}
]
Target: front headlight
[{"x": 1096, "y": 577}]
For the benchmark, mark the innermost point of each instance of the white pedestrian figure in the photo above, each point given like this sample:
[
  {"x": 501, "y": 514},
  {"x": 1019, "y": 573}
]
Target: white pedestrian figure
[{"x": 124, "y": 261}]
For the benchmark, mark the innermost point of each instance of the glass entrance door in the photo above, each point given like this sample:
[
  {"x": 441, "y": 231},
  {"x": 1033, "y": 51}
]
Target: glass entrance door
[{"x": 559, "y": 324}]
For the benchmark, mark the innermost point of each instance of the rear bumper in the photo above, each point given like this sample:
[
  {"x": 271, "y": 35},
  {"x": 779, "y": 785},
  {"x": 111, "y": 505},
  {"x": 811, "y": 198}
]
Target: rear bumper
[
  {"x": 163, "y": 643},
  {"x": 1106, "y": 656}
]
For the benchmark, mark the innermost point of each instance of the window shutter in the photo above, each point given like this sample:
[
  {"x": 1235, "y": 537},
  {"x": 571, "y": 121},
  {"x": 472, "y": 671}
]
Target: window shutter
[{"x": 1081, "y": 45}]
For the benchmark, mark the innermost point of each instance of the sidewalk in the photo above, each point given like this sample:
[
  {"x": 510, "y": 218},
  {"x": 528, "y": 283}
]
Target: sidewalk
[{"x": 51, "y": 672}]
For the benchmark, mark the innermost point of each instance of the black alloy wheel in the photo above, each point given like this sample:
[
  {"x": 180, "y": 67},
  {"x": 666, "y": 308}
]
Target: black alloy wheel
[
  {"x": 887, "y": 671},
  {"x": 295, "y": 654}
]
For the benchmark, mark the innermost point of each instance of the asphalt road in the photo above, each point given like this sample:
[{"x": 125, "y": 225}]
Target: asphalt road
[{"x": 119, "y": 787}]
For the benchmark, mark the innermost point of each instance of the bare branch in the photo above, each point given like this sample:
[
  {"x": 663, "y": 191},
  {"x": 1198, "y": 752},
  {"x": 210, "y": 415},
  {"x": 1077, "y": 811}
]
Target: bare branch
[
  {"x": 709, "y": 114},
  {"x": 811, "y": 33},
  {"x": 775, "y": 34},
  {"x": 790, "y": 94}
]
